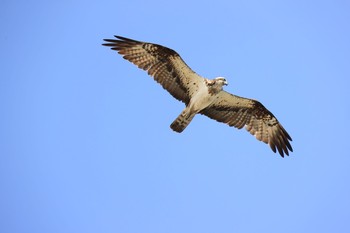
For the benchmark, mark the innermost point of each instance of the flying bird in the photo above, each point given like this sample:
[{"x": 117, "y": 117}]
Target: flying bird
[{"x": 202, "y": 95}]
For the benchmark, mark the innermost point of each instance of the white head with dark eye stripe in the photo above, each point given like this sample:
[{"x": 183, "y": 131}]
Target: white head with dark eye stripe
[{"x": 221, "y": 81}]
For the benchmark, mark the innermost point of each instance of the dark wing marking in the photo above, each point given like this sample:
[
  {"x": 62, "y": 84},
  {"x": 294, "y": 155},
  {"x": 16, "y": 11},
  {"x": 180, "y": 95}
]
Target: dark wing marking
[
  {"x": 164, "y": 64},
  {"x": 260, "y": 122}
]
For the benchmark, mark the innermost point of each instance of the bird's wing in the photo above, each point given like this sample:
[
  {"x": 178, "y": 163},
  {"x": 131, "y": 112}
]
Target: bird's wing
[
  {"x": 260, "y": 122},
  {"x": 162, "y": 63}
]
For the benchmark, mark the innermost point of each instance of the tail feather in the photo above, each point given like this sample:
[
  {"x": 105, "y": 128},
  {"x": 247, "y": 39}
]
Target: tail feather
[{"x": 182, "y": 121}]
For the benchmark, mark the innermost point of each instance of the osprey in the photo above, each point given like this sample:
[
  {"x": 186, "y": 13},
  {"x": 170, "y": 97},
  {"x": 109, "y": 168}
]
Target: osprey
[{"x": 202, "y": 95}]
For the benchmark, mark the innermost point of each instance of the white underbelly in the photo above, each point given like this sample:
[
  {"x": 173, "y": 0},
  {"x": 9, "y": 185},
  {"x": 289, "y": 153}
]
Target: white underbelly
[{"x": 201, "y": 100}]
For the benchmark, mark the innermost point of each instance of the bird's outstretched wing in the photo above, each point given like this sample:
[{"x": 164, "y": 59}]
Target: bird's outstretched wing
[
  {"x": 260, "y": 122},
  {"x": 162, "y": 63}
]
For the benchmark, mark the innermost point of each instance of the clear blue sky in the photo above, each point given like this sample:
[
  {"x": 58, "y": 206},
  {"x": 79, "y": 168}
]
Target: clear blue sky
[{"x": 85, "y": 143}]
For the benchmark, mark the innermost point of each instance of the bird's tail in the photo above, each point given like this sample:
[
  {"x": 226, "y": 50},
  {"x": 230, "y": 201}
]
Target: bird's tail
[{"x": 182, "y": 121}]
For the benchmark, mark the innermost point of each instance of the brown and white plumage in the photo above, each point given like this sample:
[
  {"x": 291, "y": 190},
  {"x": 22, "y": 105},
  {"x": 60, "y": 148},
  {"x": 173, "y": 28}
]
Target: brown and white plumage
[
  {"x": 164, "y": 64},
  {"x": 202, "y": 95},
  {"x": 260, "y": 122}
]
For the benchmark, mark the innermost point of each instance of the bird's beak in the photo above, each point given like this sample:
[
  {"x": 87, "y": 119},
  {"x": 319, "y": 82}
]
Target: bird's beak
[{"x": 225, "y": 83}]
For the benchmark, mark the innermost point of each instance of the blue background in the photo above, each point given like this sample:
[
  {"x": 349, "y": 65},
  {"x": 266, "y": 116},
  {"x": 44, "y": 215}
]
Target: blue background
[{"x": 85, "y": 143}]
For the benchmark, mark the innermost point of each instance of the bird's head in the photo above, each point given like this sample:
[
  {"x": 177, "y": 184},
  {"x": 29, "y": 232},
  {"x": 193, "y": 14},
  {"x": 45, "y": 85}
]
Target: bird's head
[{"x": 221, "y": 81}]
